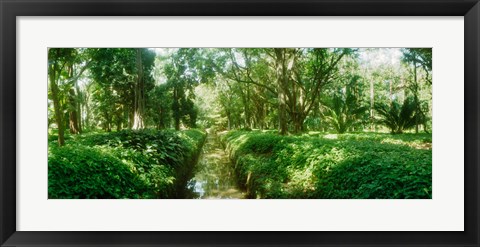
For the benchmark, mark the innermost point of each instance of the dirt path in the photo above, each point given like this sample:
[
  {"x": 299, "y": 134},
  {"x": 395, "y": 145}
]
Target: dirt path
[{"x": 214, "y": 176}]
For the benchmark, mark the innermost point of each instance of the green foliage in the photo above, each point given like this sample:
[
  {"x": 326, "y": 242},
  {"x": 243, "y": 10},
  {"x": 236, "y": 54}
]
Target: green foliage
[
  {"x": 398, "y": 117},
  {"x": 159, "y": 107},
  {"x": 186, "y": 70},
  {"x": 125, "y": 164},
  {"x": 114, "y": 71},
  {"x": 344, "y": 110},
  {"x": 288, "y": 89},
  {"x": 292, "y": 89},
  {"x": 356, "y": 165},
  {"x": 421, "y": 56},
  {"x": 77, "y": 171}
]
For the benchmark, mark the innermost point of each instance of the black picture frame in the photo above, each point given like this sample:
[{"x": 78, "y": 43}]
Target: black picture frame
[{"x": 10, "y": 9}]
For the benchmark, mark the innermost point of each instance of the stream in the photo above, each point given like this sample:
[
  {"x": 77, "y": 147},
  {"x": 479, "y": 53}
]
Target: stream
[{"x": 214, "y": 177}]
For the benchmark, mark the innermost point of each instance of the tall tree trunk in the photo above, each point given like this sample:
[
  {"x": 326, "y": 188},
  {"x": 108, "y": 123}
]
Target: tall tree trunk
[
  {"x": 229, "y": 120},
  {"x": 139, "y": 94},
  {"x": 176, "y": 108},
  {"x": 298, "y": 122},
  {"x": 74, "y": 99},
  {"x": 79, "y": 117},
  {"x": 73, "y": 105},
  {"x": 161, "y": 117},
  {"x": 80, "y": 102},
  {"x": 108, "y": 122},
  {"x": 415, "y": 95},
  {"x": 260, "y": 116},
  {"x": 282, "y": 116},
  {"x": 73, "y": 116},
  {"x": 87, "y": 108},
  {"x": 281, "y": 74},
  {"x": 248, "y": 114},
  {"x": 56, "y": 102},
  {"x": 119, "y": 124},
  {"x": 87, "y": 116},
  {"x": 246, "y": 109},
  {"x": 372, "y": 97},
  {"x": 131, "y": 116},
  {"x": 391, "y": 91}
]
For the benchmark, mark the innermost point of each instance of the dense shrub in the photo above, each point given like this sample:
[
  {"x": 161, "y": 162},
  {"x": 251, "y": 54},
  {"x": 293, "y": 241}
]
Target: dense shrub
[
  {"x": 77, "y": 171},
  {"x": 332, "y": 166},
  {"x": 399, "y": 117},
  {"x": 125, "y": 164}
]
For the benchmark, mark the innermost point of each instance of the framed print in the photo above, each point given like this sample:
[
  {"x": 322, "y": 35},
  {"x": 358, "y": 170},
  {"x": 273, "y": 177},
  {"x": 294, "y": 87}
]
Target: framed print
[{"x": 346, "y": 123}]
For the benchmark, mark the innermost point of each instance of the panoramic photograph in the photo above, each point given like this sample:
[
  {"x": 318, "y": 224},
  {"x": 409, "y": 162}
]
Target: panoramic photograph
[{"x": 239, "y": 123}]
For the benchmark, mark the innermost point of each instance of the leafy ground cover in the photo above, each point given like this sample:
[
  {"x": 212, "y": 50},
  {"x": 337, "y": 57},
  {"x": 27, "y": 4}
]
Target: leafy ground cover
[
  {"x": 359, "y": 165},
  {"x": 125, "y": 164}
]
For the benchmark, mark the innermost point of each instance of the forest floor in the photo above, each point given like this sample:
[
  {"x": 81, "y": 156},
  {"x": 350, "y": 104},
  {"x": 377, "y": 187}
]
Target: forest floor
[
  {"x": 192, "y": 164},
  {"x": 214, "y": 175}
]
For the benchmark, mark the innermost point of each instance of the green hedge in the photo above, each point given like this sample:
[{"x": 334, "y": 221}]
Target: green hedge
[
  {"x": 332, "y": 166},
  {"x": 125, "y": 164}
]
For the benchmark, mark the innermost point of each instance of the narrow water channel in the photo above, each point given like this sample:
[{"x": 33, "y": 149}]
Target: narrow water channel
[{"x": 214, "y": 176}]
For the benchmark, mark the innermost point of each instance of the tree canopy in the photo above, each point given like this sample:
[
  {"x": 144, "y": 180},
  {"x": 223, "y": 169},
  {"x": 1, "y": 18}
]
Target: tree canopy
[{"x": 291, "y": 90}]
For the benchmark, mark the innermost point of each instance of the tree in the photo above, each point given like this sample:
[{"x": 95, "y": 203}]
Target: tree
[
  {"x": 159, "y": 106},
  {"x": 422, "y": 57},
  {"x": 124, "y": 78},
  {"x": 418, "y": 58},
  {"x": 396, "y": 117},
  {"x": 65, "y": 67},
  {"x": 288, "y": 89},
  {"x": 186, "y": 69},
  {"x": 284, "y": 61},
  {"x": 294, "y": 76},
  {"x": 230, "y": 102},
  {"x": 383, "y": 74},
  {"x": 176, "y": 72},
  {"x": 56, "y": 63},
  {"x": 344, "y": 108},
  {"x": 139, "y": 102},
  {"x": 309, "y": 76}
]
